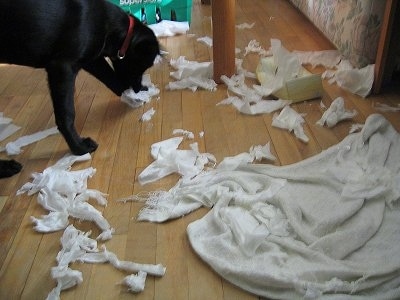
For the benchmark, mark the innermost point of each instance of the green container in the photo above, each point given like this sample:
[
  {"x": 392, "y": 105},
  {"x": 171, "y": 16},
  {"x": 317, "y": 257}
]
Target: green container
[{"x": 177, "y": 10}]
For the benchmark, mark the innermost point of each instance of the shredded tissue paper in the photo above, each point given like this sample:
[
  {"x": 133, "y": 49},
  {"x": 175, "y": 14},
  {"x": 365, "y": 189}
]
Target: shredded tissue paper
[
  {"x": 64, "y": 193},
  {"x": 167, "y": 28},
  {"x": 336, "y": 113},
  {"x": 134, "y": 99},
  {"x": 7, "y": 128},
  {"x": 169, "y": 159},
  {"x": 191, "y": 75},
  {"x": 323, "y": 228},
  {"x": 77, "y": 246}
]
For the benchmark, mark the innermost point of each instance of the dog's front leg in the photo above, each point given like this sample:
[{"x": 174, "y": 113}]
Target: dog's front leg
[
  {"x": 100, "y": 69},
  {"x": 61, "y": 78}
]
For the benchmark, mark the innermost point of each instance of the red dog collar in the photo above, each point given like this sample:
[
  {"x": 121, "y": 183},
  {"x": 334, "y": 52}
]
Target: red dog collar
[{"x": 125, "y": 45}]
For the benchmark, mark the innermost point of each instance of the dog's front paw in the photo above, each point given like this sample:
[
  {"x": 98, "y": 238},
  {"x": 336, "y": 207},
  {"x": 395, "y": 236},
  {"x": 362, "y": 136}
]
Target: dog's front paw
[
  {"x": 87, "y": 145},
  {"x": 9, "y": 168}
]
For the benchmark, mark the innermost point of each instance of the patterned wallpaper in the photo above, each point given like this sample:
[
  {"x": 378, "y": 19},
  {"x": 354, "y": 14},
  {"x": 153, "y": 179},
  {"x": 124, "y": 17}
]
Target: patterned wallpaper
[{"x": 353, "y": 26}]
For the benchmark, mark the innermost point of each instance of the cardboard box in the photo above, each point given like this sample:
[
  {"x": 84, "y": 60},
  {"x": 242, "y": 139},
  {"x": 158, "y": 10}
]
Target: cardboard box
[
  {"x": 305, "y": 86},
  {"x": 175, "y": 10}
]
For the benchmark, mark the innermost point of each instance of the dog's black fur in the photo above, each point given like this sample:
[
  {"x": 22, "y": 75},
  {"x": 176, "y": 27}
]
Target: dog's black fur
[{"x": 64, "y": 36}]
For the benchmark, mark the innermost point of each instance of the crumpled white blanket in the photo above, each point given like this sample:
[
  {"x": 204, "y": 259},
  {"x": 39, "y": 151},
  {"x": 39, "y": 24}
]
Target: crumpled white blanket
[{"x": 324, "y": 228}]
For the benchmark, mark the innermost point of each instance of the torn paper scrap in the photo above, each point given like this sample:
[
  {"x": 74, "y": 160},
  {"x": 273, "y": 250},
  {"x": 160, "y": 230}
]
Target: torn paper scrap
[
  {"x": 291, "y": 120},
  {"x": 192, "y": 83},
  {"x": 135, "y": 282},
  {"x": 7, "y": 128},
  {"x": 134, "y": 99},
  {"x": 64, "y": 193},
  {"x": 283, "y": 76},
  {"x": 167, "y": 28},
  {"x": 255, "y": 108},
  {"x": 206, "y": 40},
  {"x": 356, "y": 81},
  {"x": 387, "y": 108},
  {"x": 336, "y": 113},
  {"x": 245, "y": 25},
  {"x": 14, "y": 148},
  {"x": 148, "y": 115},
  {"x": 191, "y": 75},
  {"x": 260, "y": 152},
  {"x": 326, "y": 58},
  {"x": 255, "y": 47},
  {"x": 249, "y": 100},
  {"x": 185, "y": 68},
  {"x": 169, "y": 159},
  {"x": 77, "y": 246},
  {"x": 256, "y": 153},
  {"x": 188, "y": 134}
]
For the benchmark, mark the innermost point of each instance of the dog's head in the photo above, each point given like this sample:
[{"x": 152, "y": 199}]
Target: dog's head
[{"x": 140, "y": 55}]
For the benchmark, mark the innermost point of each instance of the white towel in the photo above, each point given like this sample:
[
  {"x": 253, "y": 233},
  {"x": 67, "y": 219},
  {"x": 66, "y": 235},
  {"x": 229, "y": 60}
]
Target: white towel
[{"x": 326, "y": 227}]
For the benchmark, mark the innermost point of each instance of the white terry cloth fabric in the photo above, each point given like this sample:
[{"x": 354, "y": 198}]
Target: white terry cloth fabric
[{"x": 324, "y": 228}]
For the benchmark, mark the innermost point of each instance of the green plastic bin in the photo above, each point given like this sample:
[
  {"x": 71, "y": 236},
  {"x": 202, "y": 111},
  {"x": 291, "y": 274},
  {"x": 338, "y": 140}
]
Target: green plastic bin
[{"x": 177, "y": 10}]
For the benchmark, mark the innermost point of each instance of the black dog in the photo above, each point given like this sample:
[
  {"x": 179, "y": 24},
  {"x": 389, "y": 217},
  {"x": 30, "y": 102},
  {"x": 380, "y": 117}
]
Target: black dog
[{"x": 64, "y": 36}]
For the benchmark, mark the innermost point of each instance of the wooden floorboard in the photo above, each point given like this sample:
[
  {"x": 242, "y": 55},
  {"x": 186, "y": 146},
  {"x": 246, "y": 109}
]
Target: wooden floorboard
[{"x": 124, "y": 151}]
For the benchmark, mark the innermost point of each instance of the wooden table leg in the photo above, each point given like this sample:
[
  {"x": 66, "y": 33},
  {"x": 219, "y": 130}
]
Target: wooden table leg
[{"x": 223, "y": 22}]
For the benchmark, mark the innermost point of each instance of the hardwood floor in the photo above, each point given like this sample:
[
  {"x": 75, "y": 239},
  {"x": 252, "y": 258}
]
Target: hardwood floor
[{"x": 26, "y": 257}]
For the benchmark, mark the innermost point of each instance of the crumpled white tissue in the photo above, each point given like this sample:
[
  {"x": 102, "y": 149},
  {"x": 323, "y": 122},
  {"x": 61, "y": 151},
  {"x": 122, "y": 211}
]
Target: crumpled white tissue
[
  {"x": 245, "y": 25},
  {"x": 326, "y": 58},
  {"x": 356, "y": 81},
  {"x": 7, "y": 128},
  {"x": 148, "y": 115},
  {"x": 291, "y": 120},
  {"x": 169, "y": 159},
  {"x": 387, "y": 108},
  {"x": 256, "y": 153},
  {"x": 336, "y": 113},
  {"x": 64, "y": 193},
  {"x": 191, "y": 75},
  {"x": 183, "y": 132},
  {"x": 249, "y": 100},
  {"x": 135, "y": 282},
  {"x": 169, "y": 28},
  {"x": 254, "y": 108},
  {"x": 134, "y": 99},
  {"x": 255, "y": 47},
  {"x": 77, "y": 246},
  {"x": 14, "y": 148},
  {"x": 206, "y": 40}
]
